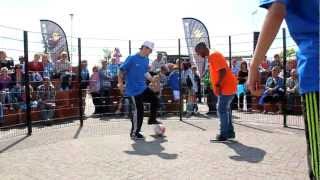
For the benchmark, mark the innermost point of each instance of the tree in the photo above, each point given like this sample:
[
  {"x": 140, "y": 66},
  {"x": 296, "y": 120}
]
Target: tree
[
  {"x": 291, "y": 52},
  {"x": 107, "y": 54}
]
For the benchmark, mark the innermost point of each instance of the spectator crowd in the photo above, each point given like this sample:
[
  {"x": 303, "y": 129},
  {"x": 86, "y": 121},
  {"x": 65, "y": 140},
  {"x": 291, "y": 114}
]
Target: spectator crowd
[{"x": 47, "y": 77}]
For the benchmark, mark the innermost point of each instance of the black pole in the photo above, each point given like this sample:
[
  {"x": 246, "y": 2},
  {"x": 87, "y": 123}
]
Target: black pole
[
  {"x": 284, "y": 103},
  {"x": 129, "y": 47},
  {"x": 180, "y": 81},
  {"x": 27, "y": 83},
  {"x": 230, "y": 64},
  {"x": 80, "y": 79},
  {"x": 255, "y": 39},
  {"x": 230, "y": 53}
]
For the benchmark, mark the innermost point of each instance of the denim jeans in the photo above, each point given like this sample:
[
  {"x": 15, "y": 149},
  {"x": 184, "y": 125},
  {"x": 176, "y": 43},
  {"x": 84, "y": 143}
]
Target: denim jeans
[{"x": 224, "y": 113}]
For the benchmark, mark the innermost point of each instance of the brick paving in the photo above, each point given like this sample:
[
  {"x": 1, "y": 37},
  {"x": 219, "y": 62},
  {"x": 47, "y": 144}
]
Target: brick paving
[{"x": 102, "y": 150}]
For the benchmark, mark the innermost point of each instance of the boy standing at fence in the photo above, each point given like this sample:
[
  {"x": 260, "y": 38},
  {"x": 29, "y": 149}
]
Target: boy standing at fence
[
  {"x": 302, "y": 18},
  {"x": 224, "y": 86},
  {"x": 135, "y": 69}
]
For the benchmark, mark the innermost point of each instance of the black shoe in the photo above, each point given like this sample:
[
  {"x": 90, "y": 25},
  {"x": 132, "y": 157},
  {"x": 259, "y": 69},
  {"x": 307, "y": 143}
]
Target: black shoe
[
  {"x": 210, "y": 113},
  {"x": 154, "y": 122},
  {"x": 232, "y": 135},
  {"x": 219, "y": 138},
  {"x": 138, "y": 136}
]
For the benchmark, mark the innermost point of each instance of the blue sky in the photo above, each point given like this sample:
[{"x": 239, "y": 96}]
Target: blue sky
[{"x": 138, "y": 20}]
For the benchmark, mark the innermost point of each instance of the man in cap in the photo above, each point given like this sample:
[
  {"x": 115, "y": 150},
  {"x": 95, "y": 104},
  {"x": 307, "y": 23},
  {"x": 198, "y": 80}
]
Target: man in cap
[{"x": 135, "y": 70}]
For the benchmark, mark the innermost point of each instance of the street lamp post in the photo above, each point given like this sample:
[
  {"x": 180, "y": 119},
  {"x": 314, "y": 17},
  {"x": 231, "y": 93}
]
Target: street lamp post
[{"x": 71, "y": 36}]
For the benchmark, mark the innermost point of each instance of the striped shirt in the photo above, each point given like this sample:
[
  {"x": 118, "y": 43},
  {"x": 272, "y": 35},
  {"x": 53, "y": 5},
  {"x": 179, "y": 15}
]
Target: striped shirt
[{"x": 62, "y": 66}]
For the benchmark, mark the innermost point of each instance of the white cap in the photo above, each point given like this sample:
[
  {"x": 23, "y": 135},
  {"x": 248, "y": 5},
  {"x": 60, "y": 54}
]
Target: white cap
[{"x": 148, "y": 44}]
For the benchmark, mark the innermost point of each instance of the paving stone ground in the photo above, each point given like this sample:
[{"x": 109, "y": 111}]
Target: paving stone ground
[{"x": 102, "y": 150}]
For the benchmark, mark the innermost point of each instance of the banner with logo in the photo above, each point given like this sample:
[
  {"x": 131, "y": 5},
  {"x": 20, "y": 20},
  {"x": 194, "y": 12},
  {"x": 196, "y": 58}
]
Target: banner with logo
[
  {"x": 54, "y": 38},
  {"x": 196, "y": 32}
]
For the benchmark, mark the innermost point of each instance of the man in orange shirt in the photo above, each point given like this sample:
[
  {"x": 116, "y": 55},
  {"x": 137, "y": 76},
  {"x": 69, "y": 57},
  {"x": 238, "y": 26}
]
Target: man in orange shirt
[{"x": 224, "y": 86}]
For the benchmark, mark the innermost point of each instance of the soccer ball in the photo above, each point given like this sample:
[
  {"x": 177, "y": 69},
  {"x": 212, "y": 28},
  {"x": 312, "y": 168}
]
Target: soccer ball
[{"x": 159, "y": 129}]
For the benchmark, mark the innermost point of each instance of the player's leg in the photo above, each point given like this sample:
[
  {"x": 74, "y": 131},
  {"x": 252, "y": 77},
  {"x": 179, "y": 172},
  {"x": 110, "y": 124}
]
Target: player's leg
[
  {"x": 150, "y": 97},
  {"x": 312, "y": 129}
]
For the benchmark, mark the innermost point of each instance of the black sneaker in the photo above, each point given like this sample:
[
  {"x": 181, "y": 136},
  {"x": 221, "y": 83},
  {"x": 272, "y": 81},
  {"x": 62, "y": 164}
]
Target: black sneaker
[
  {"x": 154, "y": 122},
  {"x": 219, "y": 138},
  {"x": 232, "y": 135},
  {"x": 138, "y": 136}
]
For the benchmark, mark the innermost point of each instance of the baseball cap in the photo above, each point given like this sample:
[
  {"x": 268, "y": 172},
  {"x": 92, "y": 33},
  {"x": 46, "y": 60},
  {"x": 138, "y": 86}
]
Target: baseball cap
[{"x": 148, "y": 44}]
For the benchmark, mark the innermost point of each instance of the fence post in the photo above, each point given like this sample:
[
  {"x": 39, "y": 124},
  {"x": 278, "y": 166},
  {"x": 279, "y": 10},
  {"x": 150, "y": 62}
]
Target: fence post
[
  {"x": 284, "y": 103},
  {"x": 230, "y": 53},
  {"x": 27, "y": 83},
  {"x": 129, "y": 47},
  {"x": 180, "y": 81},
  {"x": 80, "y": 79},
  {"x": 230, "y": 64}
]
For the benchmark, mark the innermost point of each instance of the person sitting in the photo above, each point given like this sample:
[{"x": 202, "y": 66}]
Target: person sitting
[
  {"x": 264, "y": 65},
  {"x": 117, "y": 55},
  {"x": 235, "y": 67},
  {"x": 105, "y": 86},
  {"x": 163, "y": 83},
  {"x": 276, "y": 62},
  {"x": 5, "y": 85},
  {"x": 244, "y": 97},
  {"x": 113, "y": 69},
  {"x": 62, "y": 70},
  {"x": 94, "y": 88},
  {"x": 35, "y": 71},
  {"x": 5, "y": 62},
  {"x": 170, "y": 67},
  {"x": 191, "y": 87},
  {"x": 35, "y": 65},
  {"x": 46, "y": 100},
  {"x": 157, "y": 63},
  {"x": 48, "y": 69},
  {"x": 274, "y": 91},
  {"x": 18, "y": 98},
  {"x": 197, "y": 91},
  {"x": 22, "y": 63},
  {"x": 292, "y": 90},
  {"x": 5, "y": 79},
  {"x": 173, "y": 83},
  {"x": 85, "y": 76}
]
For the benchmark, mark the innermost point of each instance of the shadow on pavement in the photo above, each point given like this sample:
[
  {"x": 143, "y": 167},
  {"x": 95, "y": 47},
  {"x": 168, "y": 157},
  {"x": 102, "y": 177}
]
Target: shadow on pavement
[
  {"x": 246, "y": 153},
  {"x": 13, "y": 144},
  {"x": 148, "y": 148}
]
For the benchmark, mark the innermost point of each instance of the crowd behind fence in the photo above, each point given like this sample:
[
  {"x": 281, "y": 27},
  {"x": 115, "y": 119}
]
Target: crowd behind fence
[{"x": 35, "y": 89}]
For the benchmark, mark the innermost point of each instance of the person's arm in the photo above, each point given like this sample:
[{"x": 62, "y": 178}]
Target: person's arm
[
  {"x": 120, "y": 80},
  {"x": 271, "y": 26},
  {"x": 222, "y": 73},
  {"x": 148, "y": 76},
  {"x": 123, "y": 68}
]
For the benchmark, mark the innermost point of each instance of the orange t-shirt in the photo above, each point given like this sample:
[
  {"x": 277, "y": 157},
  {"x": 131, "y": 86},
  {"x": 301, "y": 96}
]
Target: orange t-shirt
[{"x": 229, "y": 83}]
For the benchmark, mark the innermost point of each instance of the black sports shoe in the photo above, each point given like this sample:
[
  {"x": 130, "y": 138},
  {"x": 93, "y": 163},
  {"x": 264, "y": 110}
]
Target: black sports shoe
[
  {"x": 219, "y": 138},
  {"x": 154, "y": 122},
  {"x": 232, "y": 135},
  {"x": 137, "y": 136}
]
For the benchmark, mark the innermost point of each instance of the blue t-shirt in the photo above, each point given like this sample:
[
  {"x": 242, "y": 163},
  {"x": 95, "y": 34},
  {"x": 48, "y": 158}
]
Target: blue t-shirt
[
  {"x": 135, "y": 67},
  {"x": 302, "y": 19},
  {"x": 174, "y": 80},
  {"x": 113, "y": 68}
]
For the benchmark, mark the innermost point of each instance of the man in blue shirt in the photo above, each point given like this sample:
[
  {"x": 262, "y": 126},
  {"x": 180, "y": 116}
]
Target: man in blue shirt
[
  {"x": 302, "y": 18},
  {"x": 105, "y": 88},
  {"x": 135, "y": 69},
  {"x": 113, "y": 68}
]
